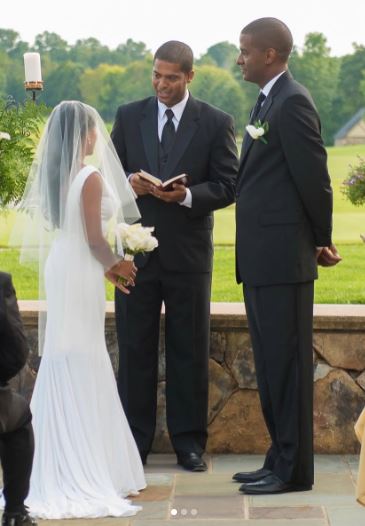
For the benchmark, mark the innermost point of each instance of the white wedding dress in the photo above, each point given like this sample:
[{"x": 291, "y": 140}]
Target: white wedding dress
[{"x": 86, "y": 461}]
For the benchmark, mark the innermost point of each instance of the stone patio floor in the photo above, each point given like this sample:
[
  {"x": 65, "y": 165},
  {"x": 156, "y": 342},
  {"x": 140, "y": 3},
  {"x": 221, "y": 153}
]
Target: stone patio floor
[{"x": 212, "y": 499}]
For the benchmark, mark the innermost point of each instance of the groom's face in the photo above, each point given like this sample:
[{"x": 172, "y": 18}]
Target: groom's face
[
  {"x": 170, "y": 82},
  {"x": 251, "y": 60}
]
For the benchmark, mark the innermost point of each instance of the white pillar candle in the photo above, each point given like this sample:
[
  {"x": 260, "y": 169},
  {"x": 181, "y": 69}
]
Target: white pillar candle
[{"x": 32, "y": 67}]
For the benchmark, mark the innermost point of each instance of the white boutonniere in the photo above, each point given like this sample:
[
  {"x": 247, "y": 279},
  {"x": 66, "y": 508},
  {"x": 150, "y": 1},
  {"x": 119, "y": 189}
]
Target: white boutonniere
[{"x": 257, "y": 130}]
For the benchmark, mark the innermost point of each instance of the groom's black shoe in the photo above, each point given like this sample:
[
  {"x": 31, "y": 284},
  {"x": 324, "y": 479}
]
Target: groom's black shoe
[
  {"x": 270, "y": 485},
  {"x": 191, "y": 461},
  {"x": 251, "y": 476}
]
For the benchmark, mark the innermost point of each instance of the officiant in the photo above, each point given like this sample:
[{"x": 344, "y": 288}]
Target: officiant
[{"x": 167, "y": 135}]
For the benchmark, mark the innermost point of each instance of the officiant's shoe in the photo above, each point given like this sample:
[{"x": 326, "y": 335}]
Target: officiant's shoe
[
  {"x": 251, "y": 476},
  {"x": 270, "y": 485},
  {"x": 191, "y": 461}
]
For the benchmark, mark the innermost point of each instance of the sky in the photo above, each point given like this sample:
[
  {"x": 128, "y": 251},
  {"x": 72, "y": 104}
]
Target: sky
[{"x": 199, "y": 23}]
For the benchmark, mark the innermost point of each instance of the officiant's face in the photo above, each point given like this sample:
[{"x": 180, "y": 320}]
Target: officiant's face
[{"x": 170, "y": 82}]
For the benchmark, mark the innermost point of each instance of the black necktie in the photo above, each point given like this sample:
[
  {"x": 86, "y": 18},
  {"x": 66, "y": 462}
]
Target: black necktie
[
  {"x": 257, "y": 107},
  {"x": 168, "y": 133}
]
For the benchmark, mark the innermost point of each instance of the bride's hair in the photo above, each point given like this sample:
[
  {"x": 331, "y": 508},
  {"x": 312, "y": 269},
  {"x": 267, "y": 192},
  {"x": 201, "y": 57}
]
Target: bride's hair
[{"x": 67, "y": 129}]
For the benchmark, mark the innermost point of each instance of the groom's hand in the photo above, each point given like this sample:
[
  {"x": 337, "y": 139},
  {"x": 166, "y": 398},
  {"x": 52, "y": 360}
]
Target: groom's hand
[
  {"x": 328, "y": 256},
  {"x": 176, "y": 195}
]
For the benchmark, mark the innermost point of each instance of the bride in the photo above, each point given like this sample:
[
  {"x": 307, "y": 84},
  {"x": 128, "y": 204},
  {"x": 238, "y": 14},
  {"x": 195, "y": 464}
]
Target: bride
[{"x": 86, "y": 461}]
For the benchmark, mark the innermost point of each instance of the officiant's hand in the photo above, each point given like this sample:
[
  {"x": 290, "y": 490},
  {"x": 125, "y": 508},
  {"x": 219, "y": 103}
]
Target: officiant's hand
[
  {"x": 177, "y": 195},
  {"x": 140, "y": 186}
]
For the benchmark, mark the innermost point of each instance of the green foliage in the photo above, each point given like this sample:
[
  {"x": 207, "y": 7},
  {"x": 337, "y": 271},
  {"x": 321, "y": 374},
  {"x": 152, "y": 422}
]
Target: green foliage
[
  {"x": 318, "y": 72},
  {"x": 63, "y": 83},
  {"x": 337, "y": 84},
  {"x": 223, "y": 55},
  {"x": 353, "y": 186},
  {"x": 218, "y": 87},
  {"x": 125, "y": 85},
  {"x": 131, "y": 51},
  {"x": 89, "y": 52},
  {"x": 93, "y": 81},
  {"x": 53, "y": 45},
  {"x": 21, "y": 123}
]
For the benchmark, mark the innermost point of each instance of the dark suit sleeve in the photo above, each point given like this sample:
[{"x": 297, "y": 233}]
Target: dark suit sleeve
[
  {"x": 306, "y": 156},
  {"x": 117, "y": 136},
  {"x": 219, "y": 190}
]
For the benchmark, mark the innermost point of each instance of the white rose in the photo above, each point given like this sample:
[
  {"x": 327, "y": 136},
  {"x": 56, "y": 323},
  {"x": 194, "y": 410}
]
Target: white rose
[
  {"x": 151, "y": 244},
  {"x": 4, "y": 135},
  {"x": 254, "y": 132},
  {"x": 136, "y": 238}
]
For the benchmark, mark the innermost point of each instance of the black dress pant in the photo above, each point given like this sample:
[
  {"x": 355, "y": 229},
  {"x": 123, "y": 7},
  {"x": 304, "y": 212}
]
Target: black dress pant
[
  {"x": 280, "y": 321},
  {"x": 16, "y": 454},
  {"x": 187, "y": 309}
]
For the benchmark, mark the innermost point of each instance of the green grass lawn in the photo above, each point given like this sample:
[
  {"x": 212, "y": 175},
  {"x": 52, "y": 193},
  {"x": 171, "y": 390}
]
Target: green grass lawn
[
  {"x": 344, "y": 283},
  {"x": 340, "y": 284}
]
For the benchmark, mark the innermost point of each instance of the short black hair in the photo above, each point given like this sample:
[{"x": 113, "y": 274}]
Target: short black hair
[
  {"x": 176, "y": 52},
  {"x": 271, "y": 32}
]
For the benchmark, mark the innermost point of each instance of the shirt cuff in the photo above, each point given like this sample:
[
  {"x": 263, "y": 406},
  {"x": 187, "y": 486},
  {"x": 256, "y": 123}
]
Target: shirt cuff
[{"x": 188, "y": 201}]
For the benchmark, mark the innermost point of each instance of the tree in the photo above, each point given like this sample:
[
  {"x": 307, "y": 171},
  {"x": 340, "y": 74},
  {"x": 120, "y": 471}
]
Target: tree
[
  {"x": 350, "y": 96},
  {"x": 8, "y": 39},
  {"x": 12, "y": 45},
  {"x": 218, "y": 87},
  {"x": 92, "y": 82},
  {"x": 90, "y": 53},
  {"x": 53, "y": 45},
  {"x": 223, "y": 55},
  {"x": 120, "y": 87},
  {"x": 318, "y": 72},
  {"x": 4, "y": 62},
  {"x": 130, "y": 51},
  {"x": 63, "y": 83}
]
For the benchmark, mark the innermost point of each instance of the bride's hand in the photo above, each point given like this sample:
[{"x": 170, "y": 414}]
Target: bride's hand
[{"x": 125, "y": 270}]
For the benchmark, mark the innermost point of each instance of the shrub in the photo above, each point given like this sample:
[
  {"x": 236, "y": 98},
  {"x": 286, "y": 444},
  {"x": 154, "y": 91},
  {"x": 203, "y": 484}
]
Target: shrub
[
  {"x": 353, "y": 186},
  {"x": 19, "y": 131}
]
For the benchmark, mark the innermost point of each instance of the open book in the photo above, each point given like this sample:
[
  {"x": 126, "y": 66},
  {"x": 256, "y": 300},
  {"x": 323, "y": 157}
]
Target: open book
[{"x": 164, "y": 185}]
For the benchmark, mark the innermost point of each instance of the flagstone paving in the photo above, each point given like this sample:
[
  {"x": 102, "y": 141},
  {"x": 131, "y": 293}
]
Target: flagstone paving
[{"x": 212, "y": 499}]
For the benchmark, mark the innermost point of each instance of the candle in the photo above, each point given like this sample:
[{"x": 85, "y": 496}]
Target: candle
[{"x": 32, "y": 67}]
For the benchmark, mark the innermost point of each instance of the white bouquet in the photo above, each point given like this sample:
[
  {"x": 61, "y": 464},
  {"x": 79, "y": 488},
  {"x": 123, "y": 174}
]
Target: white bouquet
[{"x": 135, "y": 239}]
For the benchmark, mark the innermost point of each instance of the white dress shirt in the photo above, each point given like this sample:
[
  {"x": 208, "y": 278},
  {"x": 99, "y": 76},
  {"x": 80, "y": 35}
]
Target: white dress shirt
[{"x": 266, "y": 89}]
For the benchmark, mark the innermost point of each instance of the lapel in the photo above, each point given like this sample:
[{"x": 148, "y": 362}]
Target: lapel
[
  {"x": 188, "y": 126},
  {"x": 247, "y": 139},
  {"x": 149, "y": 130}
]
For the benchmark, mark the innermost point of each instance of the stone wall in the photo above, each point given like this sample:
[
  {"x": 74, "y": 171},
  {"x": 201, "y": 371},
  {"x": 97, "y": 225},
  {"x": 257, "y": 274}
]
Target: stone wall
[{"x": 235, "y": 421}]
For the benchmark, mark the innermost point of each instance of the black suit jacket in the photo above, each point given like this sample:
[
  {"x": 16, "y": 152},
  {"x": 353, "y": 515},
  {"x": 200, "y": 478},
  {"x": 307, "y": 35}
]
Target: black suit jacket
[
  {"x": 284, "y": 196},
  {"x": 13, "y": 342},
  {"x": 205, "y": 149}
]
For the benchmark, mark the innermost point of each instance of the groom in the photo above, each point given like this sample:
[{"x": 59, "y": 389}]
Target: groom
[
  {"x": 167, "y": 135},
  {"x": 284, "y": 222}
]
